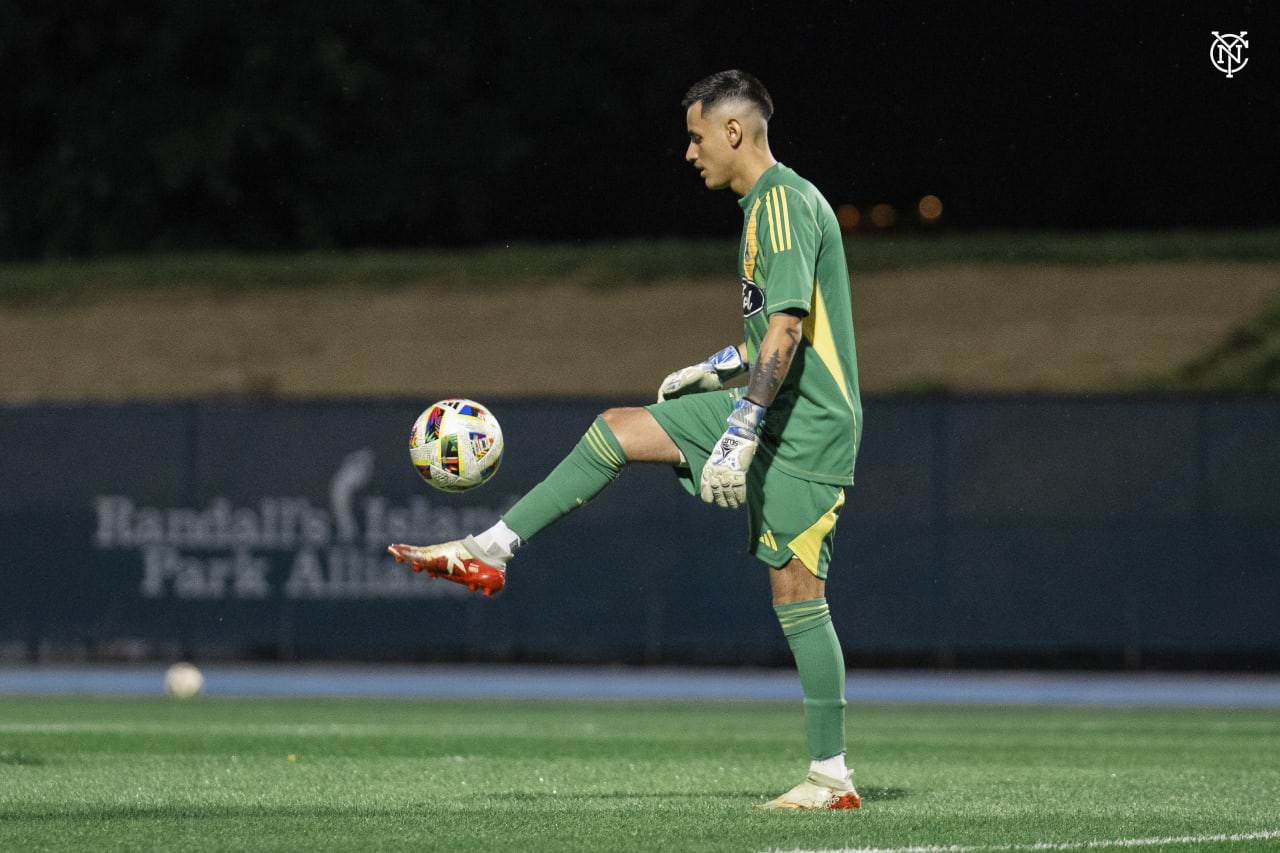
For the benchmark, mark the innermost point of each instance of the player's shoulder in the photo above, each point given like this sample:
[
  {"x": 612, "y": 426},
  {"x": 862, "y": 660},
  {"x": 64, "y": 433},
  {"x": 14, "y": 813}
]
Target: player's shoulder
[
  {"x": 789, "y": 179},
  {"x": 786, "y": 181}
]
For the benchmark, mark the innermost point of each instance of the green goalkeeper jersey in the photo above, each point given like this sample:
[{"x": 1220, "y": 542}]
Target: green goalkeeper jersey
[{"x": 792, "y": 258}]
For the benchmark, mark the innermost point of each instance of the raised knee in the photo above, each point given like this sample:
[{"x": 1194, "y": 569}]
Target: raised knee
[
  {"x": 640, "y": 436},
  {"x": 617, "y": 418}
]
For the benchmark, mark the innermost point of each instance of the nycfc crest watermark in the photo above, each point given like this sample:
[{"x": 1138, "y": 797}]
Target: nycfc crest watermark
[{"x": 1227, "y": 52}]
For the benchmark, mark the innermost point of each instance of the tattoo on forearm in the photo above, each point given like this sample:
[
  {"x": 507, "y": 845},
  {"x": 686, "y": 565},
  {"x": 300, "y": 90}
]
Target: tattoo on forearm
[{"x": 768, "y": 374}]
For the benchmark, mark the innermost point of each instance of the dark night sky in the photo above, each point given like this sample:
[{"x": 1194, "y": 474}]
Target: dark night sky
[
  {"x": 1017, "y": 114},
  {"x": 293, "y": 125}
]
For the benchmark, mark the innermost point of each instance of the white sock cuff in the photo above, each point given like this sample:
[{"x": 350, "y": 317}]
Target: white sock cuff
[
  {"x": 499, "y": 541},
  {"x": 833, "y": 767}
]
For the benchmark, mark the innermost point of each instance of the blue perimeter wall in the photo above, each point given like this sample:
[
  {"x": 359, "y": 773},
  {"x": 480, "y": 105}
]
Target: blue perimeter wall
[{"x": 1112, "y": 532}]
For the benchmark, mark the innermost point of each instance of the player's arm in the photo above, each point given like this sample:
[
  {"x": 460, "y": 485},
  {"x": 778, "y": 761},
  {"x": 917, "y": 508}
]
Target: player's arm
[
  {"x": 724, "y": 477},
  {"x": 708, "y": 375},
  {"x": 773, "y": 362}
]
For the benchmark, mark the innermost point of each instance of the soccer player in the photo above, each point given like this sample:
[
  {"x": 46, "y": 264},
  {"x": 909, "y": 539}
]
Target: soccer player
[{"x": 783, "y": 446}]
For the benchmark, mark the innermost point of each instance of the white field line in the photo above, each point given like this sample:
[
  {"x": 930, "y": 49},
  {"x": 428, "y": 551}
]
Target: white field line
[
  {"x": 327, "y": 729},
  {"x": 1059, "y": 845}
]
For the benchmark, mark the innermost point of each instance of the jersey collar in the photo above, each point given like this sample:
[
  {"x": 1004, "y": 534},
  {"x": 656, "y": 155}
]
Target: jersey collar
[{"x": 761, "y": 182}]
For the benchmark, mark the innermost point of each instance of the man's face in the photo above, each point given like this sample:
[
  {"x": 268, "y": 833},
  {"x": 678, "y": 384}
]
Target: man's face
[{"x": 709, "y": 149}]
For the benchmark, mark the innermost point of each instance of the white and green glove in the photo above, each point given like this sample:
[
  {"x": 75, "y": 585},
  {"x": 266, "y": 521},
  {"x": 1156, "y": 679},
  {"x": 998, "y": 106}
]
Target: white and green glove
[
  {"x": 705, "y": 376},
  {"x": 724, "y": 477}
]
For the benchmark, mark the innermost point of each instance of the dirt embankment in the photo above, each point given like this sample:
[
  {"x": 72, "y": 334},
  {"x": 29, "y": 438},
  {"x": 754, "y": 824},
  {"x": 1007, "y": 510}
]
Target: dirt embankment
[{"x": 971, "y": 328}]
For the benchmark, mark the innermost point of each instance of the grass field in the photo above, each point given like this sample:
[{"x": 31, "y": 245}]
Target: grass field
[
  {"x": 299, "y": 774},
  {"x": 615, "y": 265}
]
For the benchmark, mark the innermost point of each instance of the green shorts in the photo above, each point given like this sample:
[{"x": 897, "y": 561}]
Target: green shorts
[{"x": 786, "y": 516}]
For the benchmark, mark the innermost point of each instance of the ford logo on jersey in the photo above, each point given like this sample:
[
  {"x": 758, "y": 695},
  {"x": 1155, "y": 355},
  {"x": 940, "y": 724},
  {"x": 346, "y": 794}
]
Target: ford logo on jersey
[{"x": 752, "y": 298}]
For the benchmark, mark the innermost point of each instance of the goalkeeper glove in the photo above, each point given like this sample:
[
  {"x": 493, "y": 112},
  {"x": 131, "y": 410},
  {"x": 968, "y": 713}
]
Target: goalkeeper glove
[
  {"x": 724, "y": 477},
  {"x": 705, "y": 376}
]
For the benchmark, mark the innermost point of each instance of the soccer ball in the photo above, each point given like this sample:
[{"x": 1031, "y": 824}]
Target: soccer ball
[
  {"x": 183, "y": 680},
  {"x": 456, "y": 445}
]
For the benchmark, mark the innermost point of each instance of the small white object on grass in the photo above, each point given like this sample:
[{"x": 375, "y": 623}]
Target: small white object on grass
[{"x": 183, "y": 680}]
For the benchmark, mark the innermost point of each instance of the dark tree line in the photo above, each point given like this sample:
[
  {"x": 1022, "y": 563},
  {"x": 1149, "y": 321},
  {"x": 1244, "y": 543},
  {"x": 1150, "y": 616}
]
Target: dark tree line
[
  {"x": 176, "y": 124},
  {"x": 163, "y": 124}
]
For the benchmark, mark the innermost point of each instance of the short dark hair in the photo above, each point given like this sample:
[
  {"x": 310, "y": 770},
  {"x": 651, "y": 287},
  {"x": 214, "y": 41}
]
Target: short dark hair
[{"x": 732, "y": 85}]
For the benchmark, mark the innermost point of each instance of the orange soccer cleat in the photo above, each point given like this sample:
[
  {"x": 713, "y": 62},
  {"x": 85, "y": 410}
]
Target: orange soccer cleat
[
  {"x": 817, "y": 792},
  {"x": 454, "y": 561}
]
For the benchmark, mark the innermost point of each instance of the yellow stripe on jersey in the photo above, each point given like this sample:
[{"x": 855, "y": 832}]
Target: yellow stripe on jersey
[
  {"x": 775, "y": 205},
  {"x": 786, "y": 215},
  {"x": 753, "y": 243},
  {"x": 774, "y": 227},
  {"x": 768, "y": 540},
  {"x": 817, "y": 331},
  {"x": 598, "y": 444},
  {"x": 808, "y": 545}
]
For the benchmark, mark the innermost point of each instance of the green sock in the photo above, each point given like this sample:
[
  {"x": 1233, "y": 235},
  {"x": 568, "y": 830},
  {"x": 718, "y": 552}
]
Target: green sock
[
  {"x": 820, "y": 662},
  {"x": 593, "y": 464}
]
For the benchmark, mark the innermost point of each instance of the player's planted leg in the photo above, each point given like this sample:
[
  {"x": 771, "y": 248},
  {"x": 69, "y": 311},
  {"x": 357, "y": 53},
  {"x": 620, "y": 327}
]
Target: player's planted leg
[
  {"x": 806, "y": 621},
  {"x": 816, "y": 792}
]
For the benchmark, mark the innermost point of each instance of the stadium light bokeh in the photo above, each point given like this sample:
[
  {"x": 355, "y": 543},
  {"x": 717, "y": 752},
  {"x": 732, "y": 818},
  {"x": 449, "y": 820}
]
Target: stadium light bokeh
[
  {"x": 929, "y": 209},
  {"x": 849, "y": 217},
  {"x": 883, "y": 215}
]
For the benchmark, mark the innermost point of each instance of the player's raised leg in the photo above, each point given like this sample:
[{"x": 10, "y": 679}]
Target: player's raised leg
[
  {"x": 616, "y": 438},
  {"x": 463, "y": 561}
]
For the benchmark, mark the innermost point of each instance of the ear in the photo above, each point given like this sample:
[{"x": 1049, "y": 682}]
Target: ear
[{"x": 733, "y": 132}]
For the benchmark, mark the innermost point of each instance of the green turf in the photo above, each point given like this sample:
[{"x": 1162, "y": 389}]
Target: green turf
[
  {"x": 618, "y": 264},
  {"x": 221, "y": 774}
]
